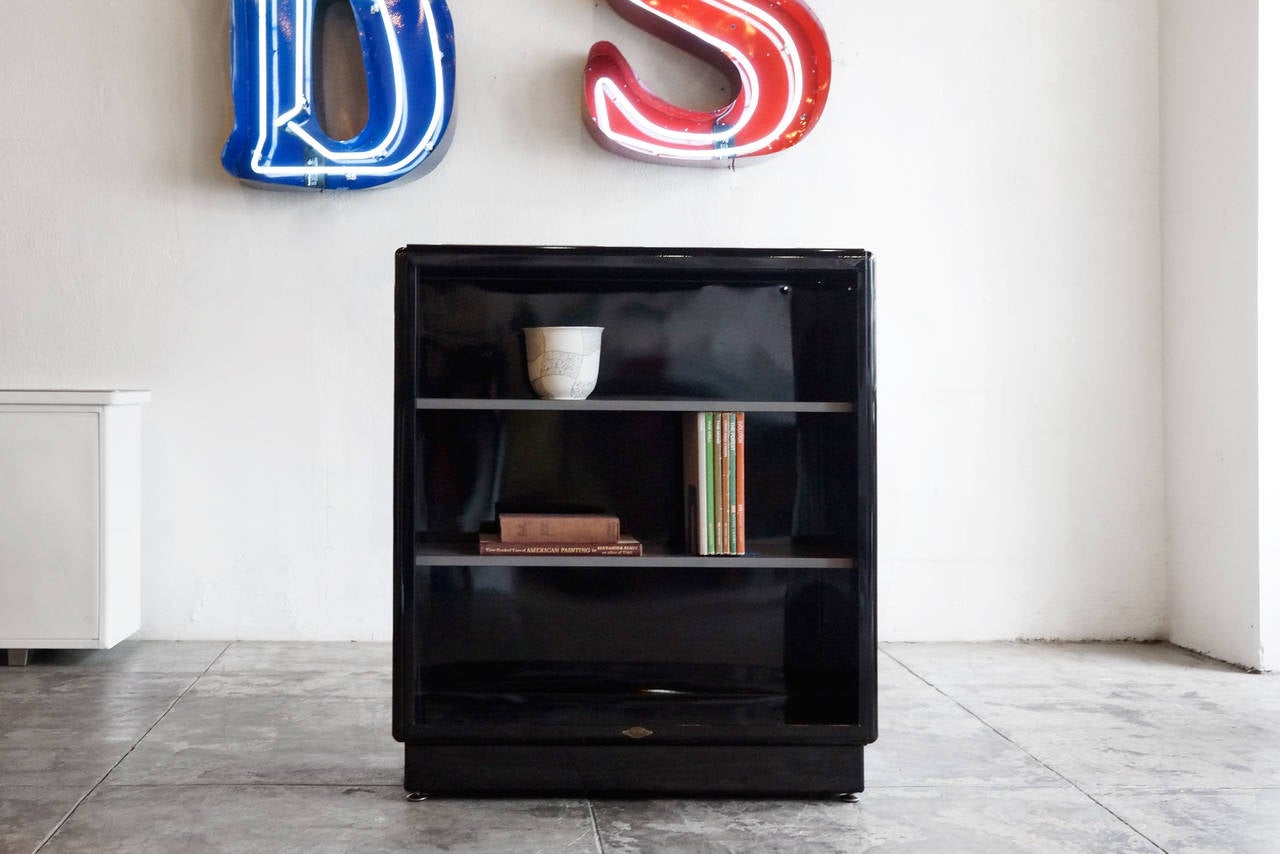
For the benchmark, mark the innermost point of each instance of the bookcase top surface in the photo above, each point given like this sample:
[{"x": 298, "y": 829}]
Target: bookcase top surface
[
  {"x": 691, "y": 262},
  {"x": 624, "y": 251}
]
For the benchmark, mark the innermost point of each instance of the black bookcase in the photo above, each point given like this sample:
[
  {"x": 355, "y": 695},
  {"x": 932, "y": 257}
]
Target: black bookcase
[{"x": 665, "y": 674}]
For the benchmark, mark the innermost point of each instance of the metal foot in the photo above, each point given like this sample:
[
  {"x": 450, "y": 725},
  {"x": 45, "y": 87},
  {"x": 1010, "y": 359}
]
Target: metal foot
[
  {"x": 849, "y": 797},
  {"x": 19, "y": 657},
  {"x": 416, "y": 797}
]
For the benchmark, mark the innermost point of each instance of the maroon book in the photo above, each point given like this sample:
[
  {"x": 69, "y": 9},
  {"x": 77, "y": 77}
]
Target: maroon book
[{"x": 558, "y": 528}]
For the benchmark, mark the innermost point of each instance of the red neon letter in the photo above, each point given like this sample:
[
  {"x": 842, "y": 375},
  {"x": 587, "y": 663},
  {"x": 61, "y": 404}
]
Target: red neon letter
[{"x": 776, "y": 49}]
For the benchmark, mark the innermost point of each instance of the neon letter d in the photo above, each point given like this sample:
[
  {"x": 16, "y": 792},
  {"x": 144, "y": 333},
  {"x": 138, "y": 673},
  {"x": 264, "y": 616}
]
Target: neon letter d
[{"x": 409, "y": 69}]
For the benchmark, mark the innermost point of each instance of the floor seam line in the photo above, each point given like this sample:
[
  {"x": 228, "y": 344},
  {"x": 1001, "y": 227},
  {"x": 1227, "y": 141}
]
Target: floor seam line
[
  {"x": 1072, "y": 783},
  {"x": 595, "y": 826},
  {"x": 54, "y": 832}
]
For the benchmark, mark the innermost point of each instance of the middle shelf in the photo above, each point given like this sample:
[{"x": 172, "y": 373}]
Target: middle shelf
[
  {"x": 780, "y": 555},
  {"x": 476, "y": 462},
  {"x": 605, "y": 404}
]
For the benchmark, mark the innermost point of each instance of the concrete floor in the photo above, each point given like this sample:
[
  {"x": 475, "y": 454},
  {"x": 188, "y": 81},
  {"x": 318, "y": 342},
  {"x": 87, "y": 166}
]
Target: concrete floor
[{"x": 253, "y": 747}]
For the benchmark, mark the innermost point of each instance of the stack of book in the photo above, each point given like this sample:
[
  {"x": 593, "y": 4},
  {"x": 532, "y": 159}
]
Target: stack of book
[
  {"x": 584, "y": 534},
  {"x": 715, "y": 489}
]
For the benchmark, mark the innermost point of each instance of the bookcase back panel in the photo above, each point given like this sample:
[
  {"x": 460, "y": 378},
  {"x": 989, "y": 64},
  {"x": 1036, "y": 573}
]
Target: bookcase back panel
[
  {"x": 628, "y": 464},
  {"x": 667, "y": 644},
  {"x": 661, "y": 339}
]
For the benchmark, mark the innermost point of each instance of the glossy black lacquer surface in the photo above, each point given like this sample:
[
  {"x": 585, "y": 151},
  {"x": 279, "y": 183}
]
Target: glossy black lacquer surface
[{"x": 601, "y": 659}]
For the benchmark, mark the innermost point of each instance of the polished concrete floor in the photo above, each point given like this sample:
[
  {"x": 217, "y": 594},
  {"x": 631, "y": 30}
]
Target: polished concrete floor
[{"x": 255, "y": 747}]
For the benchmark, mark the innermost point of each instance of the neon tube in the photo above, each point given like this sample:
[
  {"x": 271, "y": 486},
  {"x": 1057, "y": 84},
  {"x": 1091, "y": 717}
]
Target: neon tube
[
  {"x": 408, "y": 49},
  {"x": 777, "y": 49}
]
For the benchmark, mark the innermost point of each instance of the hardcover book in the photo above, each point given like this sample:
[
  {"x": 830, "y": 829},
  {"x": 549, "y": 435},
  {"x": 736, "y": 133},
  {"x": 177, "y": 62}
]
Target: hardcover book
[
  {"x": 622, "y": 547},
  {"x": 731, "y": 479},
  {"x": 709, "y": 478},
  {"x": 695, "y": 464},
  {"x": 714, "y": 480},
  {"x": 741, "y": 497},
  {"x": 717, "y": 486},
  {"x": 558, "y": 528}
]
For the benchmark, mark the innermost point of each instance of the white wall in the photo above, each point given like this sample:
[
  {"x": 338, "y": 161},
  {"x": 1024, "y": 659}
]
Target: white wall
[
  {"x": 1000, "y": 157},
  {"x": 1269, "y": 332},
  {"x": 1209, "y": 68}
]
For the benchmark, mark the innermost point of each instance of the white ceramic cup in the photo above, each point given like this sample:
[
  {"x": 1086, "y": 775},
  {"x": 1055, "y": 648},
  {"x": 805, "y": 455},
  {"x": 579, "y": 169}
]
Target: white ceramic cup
[{"x": 564, "y": 361}]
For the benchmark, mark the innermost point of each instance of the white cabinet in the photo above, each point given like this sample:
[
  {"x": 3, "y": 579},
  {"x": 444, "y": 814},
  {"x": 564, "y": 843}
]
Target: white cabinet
[{"x": 70, "y": 537}]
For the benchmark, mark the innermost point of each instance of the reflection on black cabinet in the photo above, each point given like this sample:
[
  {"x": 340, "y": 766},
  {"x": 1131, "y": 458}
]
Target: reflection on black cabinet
[{"x": 622, "y": 675}]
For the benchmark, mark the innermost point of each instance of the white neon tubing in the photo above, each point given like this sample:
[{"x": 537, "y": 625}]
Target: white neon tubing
[
  {"x": 750, "y": 83},
  {"x": 352, "y": 169},
  {"x": 398, "y": 122},
  {"x": 607, "y": 92}
]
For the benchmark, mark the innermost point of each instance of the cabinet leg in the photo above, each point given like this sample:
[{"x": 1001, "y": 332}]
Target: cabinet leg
[
  {"x": 416, "y": 797},
  {"x": 19, "y": 657},
  {"x": 849, "y": 797}
]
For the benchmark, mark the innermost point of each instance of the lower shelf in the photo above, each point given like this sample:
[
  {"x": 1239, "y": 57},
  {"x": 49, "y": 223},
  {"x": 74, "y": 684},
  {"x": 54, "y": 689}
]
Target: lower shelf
[
  {"x": 699, "y": 719},
  {"x": 632, "y": 770},
  {"x": 517, "y": 699}
]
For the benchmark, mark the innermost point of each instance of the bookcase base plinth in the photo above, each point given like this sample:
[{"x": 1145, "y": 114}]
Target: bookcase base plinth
[{"x": 636, "y": 770}]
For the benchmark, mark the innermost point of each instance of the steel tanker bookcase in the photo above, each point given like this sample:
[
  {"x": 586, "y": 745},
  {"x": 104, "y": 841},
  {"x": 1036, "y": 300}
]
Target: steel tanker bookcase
[{"x": 637, "y": 656}]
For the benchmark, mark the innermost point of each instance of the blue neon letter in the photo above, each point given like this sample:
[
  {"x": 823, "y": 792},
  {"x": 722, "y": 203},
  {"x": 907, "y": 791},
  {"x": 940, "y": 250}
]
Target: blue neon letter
[{"x": 409, "y": 66}]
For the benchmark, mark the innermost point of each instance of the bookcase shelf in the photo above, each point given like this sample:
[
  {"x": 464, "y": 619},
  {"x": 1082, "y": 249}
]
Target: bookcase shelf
[
  {"x": 631, "y": 405},
  {"x": 664, "y": 674},
  {"x": 759, "y": 556}
]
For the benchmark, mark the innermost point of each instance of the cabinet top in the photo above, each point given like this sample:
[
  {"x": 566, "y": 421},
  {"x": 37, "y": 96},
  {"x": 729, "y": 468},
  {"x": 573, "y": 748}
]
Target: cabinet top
[
  {"x": 561, "y": 264},
  {"x": 80, "y": 397}
]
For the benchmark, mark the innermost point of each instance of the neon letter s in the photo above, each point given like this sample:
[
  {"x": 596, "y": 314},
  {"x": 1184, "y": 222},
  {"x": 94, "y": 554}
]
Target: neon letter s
[
  {"x": 409, "y": 67},
  {"x": 776, "y": 49}
]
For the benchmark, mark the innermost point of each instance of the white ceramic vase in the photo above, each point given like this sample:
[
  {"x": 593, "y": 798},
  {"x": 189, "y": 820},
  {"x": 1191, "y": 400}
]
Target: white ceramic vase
[{"x": 564, "y": 361}]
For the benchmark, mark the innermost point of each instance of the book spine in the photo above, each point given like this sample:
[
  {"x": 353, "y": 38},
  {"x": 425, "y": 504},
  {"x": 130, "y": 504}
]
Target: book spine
[
  {"x": 630, "y": 549},
  {"x": 695, "y": 481},
  {"x": 701, "y": 480},
  {"x": 723, "y": 484},
  {"x": 713, "y": 478},
  {"x": 557, "y": 528},
  {"x": 687, "y": 435},
  {"x": 731, "y": 492},
  {"x": 742, "y": 482},
  {"x": 717, "y": 485}
]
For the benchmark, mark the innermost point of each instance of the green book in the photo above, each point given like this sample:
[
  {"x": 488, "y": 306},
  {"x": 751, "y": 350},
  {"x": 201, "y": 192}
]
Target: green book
[{"x": 713, "y": 491}]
